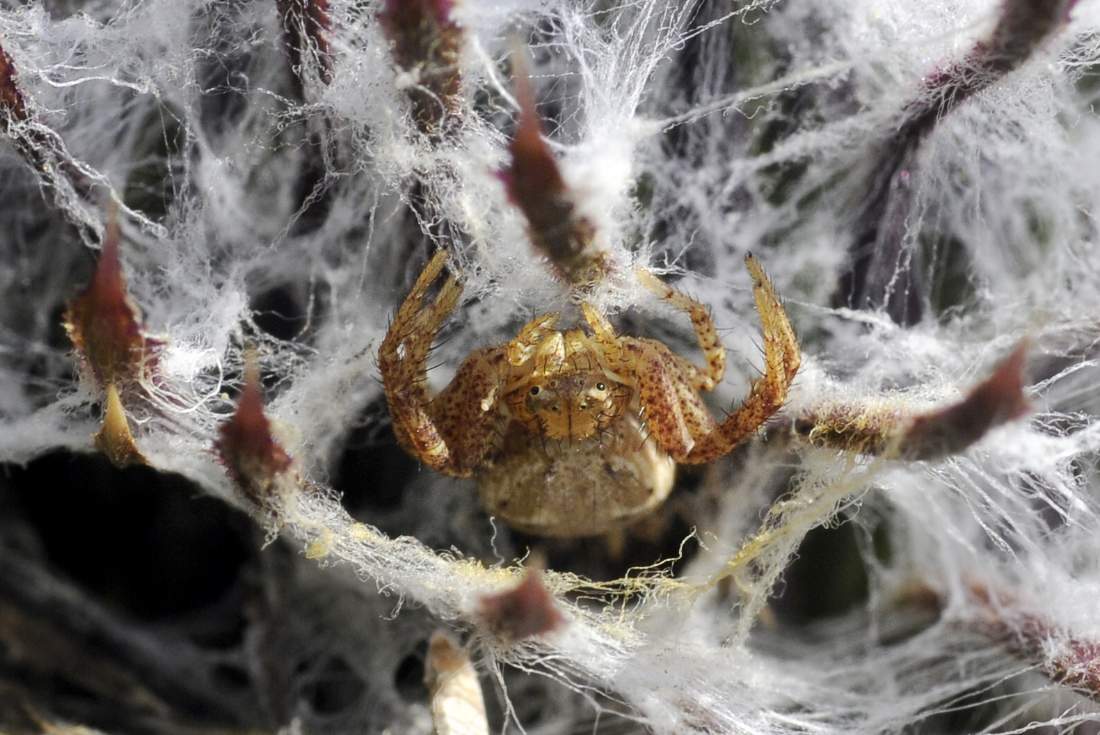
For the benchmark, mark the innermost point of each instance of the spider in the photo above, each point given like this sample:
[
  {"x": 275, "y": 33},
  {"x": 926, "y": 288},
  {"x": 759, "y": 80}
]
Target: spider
[{"x": 576, "y": 432}]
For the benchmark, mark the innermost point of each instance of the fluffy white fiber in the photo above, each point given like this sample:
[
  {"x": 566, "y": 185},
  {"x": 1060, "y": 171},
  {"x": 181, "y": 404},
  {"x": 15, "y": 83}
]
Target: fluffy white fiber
[{"x": 692, "y": 133}]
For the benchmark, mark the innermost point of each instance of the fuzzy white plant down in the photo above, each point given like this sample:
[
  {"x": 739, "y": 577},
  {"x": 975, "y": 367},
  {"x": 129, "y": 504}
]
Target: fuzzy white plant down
[{"x": 690, "y": 133}]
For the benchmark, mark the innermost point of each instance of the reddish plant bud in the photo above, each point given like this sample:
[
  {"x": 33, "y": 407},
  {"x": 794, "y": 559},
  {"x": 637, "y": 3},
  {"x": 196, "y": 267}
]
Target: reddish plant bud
[
  {"x": 1030, "y": 635},
  {"x": 882, "y": 273},
  {"x": 11, "y": 98},
  {"x": 534, "y": 183},
  {"x": 890, "y": 431},
  {"x": 996, "y": 400},
  {"x": 426, "y": 42},
  {"x": 249, "y": 451},
  {"x": 524, "y": 611},
  {"x": 305, "y": 25},
  {"x": 105, "y": 326}
]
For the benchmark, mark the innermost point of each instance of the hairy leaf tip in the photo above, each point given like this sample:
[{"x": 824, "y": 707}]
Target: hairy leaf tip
[
  {"x": 524, "y": 611},
  {"x": 105, "y": 326},
  {"x": 534, "y": 183},
  {"x": 11, "y": 98},
  {"x": 996, "y": 400},
  {"x": 254, "y": 458},
  {"x": 426, "y": 41}
]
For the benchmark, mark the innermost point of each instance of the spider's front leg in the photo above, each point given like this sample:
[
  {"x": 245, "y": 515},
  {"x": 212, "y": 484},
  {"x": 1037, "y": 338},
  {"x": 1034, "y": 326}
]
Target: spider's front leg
[
  {"x": 705, "y": 332},
  {"x": 667, "y": 389},
  {"x": 452, "y": 432}
]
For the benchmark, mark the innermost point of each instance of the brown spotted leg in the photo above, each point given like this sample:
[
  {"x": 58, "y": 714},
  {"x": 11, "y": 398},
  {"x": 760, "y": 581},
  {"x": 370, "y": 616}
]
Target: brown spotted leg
[
  {"x": 452, "y": 432},
  {"x": 705, "y": 331},
  {"x": 671, "y": 408},
  {"x": 465, "y": 413}
]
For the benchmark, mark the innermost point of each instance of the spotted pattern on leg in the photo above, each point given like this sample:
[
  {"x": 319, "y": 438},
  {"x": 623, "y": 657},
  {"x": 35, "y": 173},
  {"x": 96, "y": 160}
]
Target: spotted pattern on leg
[
  {"x": 653, "y": 378},
  {"x": 705, "y": 332},
  {"x": 464, "y": 413},
  {"x": 769, "y": 392}
]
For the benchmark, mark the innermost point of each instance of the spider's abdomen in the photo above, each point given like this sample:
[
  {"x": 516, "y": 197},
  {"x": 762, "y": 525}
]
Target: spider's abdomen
[{"x": 577, "y": 488}]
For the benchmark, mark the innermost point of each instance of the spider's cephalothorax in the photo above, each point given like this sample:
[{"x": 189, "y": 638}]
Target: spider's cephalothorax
[
  {"x": 576, "y": 432},
  {"x": 560, "y": 384}
]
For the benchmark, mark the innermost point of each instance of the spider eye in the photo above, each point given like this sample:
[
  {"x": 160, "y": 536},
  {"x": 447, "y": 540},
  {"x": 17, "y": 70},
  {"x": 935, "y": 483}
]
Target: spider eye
[
  {"x": 535, "y": 390},
  {"x": 601, "y": 386}
]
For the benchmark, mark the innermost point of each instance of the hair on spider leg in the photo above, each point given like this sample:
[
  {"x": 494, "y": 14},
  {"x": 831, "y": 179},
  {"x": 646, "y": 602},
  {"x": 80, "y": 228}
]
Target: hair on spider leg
[
  {"x": 727, "y": 412},
  {"x": 418, "y": 381},
  {"x": 407, "y": 329},
  {"x": 433, "y": 366},
  {"x": 727, "y": 330},
  {"x": 762, "y": 351},
  {"x": 439, "y": 341},
  {"x": 643, "y": 430}
]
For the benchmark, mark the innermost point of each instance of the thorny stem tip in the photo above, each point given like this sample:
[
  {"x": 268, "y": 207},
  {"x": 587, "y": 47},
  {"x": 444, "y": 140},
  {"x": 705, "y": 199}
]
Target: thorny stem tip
[
  {"x": 426, "y": 42},
  {"x": 1065, "y": 658},
  {"x": 891, "y": 431},
  {"x": 114, "y": 439},
  {"x": 105, "y": 326},
  {"x": 534, "y": 183},
  {"x": 305, "y": 25},
  {"x": 883, "y": 271},
  {"x": 106, "y": 331},
  {"x": 247, "y": 447}
]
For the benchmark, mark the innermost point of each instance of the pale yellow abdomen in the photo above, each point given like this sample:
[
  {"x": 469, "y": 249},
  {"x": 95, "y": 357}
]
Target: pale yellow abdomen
[{"x": 581, "y": 488}]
